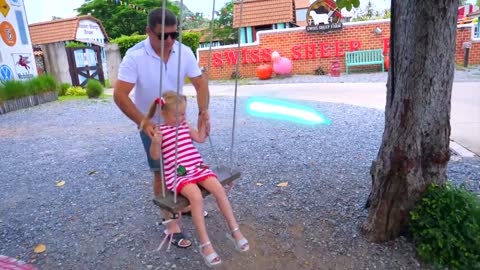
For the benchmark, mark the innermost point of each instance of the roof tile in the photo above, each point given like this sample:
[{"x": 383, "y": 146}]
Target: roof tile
[
  {"x": 58, "y": 30},
  {"x": 263, "y": 12}
]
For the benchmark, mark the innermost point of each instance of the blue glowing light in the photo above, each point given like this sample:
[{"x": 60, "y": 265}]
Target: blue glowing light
[{"x": 271, "y": 108}]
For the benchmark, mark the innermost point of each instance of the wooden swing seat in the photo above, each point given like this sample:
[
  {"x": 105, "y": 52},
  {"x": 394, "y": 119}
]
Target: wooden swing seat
[{"x": 225, "y": 175}]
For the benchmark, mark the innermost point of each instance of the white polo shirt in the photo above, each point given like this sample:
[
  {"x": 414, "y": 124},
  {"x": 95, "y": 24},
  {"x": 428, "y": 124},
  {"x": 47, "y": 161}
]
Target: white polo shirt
[{"x": 141, "y": 66}]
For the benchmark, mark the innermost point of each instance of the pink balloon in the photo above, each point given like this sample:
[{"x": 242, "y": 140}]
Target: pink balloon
[{"x": 282, "y": 66}]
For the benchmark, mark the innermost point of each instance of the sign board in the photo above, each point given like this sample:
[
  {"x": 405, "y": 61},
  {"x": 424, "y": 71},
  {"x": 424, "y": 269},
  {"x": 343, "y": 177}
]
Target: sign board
[
  {"x": 89, "y": 31},
  {"x": 323, "y": 16},
  {"x": 16, "y": 52}
]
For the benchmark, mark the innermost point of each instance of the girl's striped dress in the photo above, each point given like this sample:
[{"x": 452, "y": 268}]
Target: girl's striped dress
[{"x": 187, "y": 156}]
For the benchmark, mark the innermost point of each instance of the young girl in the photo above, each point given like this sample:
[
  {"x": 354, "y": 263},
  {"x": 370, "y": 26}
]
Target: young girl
[{"x": 191, "y": 171}]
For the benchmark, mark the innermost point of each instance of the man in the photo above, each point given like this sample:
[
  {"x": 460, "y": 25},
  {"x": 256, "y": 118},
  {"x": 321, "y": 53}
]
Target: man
[{"x": 140, "y": 68}]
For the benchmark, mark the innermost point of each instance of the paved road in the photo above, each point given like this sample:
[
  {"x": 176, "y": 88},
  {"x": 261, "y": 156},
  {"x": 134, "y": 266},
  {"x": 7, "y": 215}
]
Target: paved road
[{"x": 465, "y": 116}]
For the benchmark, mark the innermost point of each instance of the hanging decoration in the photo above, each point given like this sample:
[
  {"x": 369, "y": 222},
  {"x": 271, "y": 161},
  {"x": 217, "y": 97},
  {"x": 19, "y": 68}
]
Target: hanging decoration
[
  {"x": 197, "y": 17},
  {"x": 133, "y": 6}
]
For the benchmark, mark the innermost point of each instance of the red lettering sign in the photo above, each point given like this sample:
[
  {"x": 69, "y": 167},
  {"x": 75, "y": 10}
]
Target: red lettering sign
[
  {"x": 338, "y": 50},
  {"x": 232, "y": 57},
  {"x": 296, "y": 54},
  {"x": 267, "y": 55},
  {"x": 255, "y": 55},
  {"x": 217, "y": 59},
  {"x": 324, "y": 50},
  {"x": 245, "y": 54},
  {"x": 310, "y": 51},
  {"x": 354, "y": 45}
]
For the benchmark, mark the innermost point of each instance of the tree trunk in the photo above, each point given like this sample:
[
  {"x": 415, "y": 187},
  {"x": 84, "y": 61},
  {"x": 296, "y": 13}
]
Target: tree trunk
[{"x": 415, "y": 147}]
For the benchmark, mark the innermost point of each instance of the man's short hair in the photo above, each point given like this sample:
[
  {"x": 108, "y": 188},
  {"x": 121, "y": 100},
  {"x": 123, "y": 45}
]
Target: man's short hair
[{"x": 155, "y": 17}]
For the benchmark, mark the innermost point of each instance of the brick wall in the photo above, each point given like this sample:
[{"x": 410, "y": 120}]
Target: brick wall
[
  {"x": 464, "y": 34},
  {"x": 308, "y": 51}
]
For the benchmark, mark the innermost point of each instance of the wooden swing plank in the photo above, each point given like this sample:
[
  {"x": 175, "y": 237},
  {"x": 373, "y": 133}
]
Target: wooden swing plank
[{"x": 225, "y": 175}]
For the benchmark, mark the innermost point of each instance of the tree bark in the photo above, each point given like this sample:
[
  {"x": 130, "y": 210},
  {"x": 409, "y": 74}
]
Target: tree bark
[{"x": 415, "y": 147}]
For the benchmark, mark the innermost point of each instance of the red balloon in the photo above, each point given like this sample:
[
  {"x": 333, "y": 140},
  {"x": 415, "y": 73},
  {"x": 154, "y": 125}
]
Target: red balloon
[{"x": 264, "y": 71}]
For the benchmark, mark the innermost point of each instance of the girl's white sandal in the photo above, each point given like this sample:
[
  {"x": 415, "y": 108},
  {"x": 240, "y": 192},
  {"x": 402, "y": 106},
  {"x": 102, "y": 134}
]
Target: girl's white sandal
[
  {"x": 240, "y": 245},
  {"x": 211, "y": 259}
]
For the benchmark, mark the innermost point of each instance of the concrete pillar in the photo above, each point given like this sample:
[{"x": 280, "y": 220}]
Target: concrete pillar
[
  {"x": 56, "y": 61},
  {"x": 113, "y": 61}
]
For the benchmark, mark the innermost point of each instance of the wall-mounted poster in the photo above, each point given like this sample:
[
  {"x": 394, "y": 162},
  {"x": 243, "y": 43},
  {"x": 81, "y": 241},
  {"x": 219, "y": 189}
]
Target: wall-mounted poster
[{"x": 16, "y": 51}]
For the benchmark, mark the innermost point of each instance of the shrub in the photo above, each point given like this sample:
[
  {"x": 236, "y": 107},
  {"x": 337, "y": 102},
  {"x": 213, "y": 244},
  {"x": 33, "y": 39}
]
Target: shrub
[
  {"x": 63, "y": 89},
  {"x": 319, "y": 71},
  {"x": 13, "y": 89},
  {"x": 126, "y": 42},
  {"x": 446, "y": 227},
  {"x": 76, "y": 91},
  {"x": 94, "y": 88},
  {"x": 191, "y": 39},
  {"x": 74, "y": 44}
]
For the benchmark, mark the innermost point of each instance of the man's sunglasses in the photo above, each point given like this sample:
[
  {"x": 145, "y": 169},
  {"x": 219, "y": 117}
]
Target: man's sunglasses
[{"x": 173, "y": 35}]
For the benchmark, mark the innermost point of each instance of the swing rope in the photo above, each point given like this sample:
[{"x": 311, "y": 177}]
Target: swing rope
[
  {"x": 237, "y": 70},
  {"x": 162, "y": 62},
  {"x": 215, "y": 157},
  {"x": 177, "y": 105},
  {"x": 169, "y": 235}
]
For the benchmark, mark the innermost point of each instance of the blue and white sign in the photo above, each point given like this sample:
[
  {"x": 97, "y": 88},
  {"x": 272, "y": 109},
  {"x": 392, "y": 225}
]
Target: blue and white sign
[
  {"x": 6, "y": 73},
  {"x": 15, "y": 2}
]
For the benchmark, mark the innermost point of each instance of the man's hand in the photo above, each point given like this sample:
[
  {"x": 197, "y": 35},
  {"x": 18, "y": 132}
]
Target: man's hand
[
  {"x": 204, "y": 122},
  {"x": 148, "y": 127},
  {"x": 157, "y": 137}
]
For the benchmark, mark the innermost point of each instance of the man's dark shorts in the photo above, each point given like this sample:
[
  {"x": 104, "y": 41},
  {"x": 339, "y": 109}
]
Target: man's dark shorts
[{"x": 153, "y": 164}]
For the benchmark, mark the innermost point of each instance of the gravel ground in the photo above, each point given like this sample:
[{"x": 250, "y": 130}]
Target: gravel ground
[{"x": 103, "y": 217}]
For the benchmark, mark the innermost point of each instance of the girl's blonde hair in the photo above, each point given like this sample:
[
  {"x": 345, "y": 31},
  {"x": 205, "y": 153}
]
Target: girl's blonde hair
[{"x": 167, "y": 102}]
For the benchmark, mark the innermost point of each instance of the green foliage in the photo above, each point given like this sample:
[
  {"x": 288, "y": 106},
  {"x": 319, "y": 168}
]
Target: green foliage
[
  {"x": 63, "y": 88},
  {"x": 348, "y": 4},
  {"x": 445, "y": 226},
  {"x": 126, "y": 42},
  {"x": 74, "y": 44},
  {"x": 76, "y": 91},
  {"x": 192, "y": 40},
  {"x": 13, "y": 89},
  {"x": 320, "y": 71},
  {"x": 225, "y": 15},
  {"x": 223, "y": 29},
  {"x": 94, "y": 88},
  {"x": 121, "y": 20}
]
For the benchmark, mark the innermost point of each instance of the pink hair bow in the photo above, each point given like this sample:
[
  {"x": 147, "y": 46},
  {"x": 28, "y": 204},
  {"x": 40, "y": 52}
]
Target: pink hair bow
[{"x": 160, "y": 101}]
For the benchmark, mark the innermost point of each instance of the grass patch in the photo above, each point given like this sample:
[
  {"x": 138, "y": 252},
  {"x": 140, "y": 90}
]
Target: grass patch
[{"x": 14, "y": 89}]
